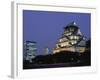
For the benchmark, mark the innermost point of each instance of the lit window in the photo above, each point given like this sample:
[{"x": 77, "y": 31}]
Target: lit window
[
  {"x": 70, "y": 37},
  {"x": 73, "y": 42},
  {"x": 76, "y": 37}
]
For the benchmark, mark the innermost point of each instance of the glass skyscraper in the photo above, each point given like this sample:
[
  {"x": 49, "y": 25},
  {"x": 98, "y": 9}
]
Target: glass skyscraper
[{"x": 30, "y": 50}]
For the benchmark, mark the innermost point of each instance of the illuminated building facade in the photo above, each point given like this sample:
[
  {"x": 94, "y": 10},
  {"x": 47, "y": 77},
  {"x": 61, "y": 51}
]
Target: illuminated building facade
[
  {"x": 46, "y": 51},
  {"x": 71, "y": 40},
  {"x": 30, "y": 50}
]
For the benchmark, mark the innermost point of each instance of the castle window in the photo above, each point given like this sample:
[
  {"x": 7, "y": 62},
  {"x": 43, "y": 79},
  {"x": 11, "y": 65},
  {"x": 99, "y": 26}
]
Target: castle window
[{"x": 76, "y": 37}]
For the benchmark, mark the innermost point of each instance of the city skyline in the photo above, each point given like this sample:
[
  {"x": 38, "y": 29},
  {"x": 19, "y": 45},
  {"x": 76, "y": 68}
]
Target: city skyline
[{"x": 45, "y": 27}]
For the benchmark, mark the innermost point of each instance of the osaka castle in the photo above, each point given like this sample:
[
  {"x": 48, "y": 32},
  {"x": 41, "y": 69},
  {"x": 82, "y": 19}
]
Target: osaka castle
[{"x": 71, "y": 40}]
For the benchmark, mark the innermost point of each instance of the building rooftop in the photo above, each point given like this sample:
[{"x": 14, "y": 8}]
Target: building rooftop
[
  {"x": 31, "y": 42},
  {"x": 71, "y": 25}
]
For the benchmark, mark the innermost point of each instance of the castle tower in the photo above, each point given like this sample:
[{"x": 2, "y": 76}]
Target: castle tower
[{"x": 71, "y": 40}]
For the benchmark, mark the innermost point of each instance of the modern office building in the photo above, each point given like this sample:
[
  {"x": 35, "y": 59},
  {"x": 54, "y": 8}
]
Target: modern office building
[
  {"x": 46, "y": 51},
  {"x": 30, "y": 50},
  {"x": 71, "y": 40}
]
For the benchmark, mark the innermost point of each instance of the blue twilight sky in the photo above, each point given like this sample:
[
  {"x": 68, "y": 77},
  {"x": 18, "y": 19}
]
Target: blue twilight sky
[{"x": 46, "y": 27}]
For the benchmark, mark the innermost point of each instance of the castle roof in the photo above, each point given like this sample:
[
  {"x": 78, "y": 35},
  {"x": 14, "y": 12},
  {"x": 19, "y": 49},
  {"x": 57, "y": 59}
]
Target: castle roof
[{"x": 71, "y": 25}]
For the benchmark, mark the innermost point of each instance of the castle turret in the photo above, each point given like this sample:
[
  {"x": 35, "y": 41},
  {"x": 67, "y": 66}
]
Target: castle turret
[{"x": 71, "y": 40}]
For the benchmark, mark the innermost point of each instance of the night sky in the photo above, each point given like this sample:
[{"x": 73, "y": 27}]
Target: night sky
[{"x": 46, "y": 27}]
